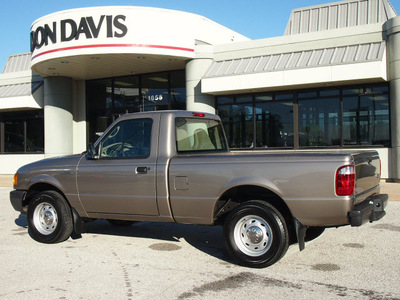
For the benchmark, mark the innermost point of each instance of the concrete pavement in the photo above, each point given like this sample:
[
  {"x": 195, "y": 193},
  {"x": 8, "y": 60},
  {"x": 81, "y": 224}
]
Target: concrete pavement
[{"x": 188, "y": 262}]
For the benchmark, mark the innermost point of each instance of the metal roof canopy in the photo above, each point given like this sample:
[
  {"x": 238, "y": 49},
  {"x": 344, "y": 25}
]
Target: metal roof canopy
[
  {"x": 18, "y": 63},
  {"x": 301, "y": 59},
  {"x": 19, "y": 89},
  {"x": 339, "y": 15}
]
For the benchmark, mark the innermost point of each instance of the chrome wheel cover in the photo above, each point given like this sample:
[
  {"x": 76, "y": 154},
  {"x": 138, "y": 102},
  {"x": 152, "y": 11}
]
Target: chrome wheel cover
[
  {"x": 45, "y": 218},
  {"x": 253, "y": 236}
]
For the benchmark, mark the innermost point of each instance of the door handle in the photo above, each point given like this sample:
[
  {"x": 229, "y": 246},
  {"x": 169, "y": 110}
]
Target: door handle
[{"x": 141, "y": 170}]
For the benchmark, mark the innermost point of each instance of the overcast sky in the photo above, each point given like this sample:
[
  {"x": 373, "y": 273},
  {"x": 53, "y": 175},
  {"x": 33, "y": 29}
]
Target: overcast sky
[{"x": 255, "y": 19}]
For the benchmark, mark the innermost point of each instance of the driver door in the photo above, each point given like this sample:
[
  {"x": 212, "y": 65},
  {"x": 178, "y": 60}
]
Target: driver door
[{"x": 122, "y": 179}]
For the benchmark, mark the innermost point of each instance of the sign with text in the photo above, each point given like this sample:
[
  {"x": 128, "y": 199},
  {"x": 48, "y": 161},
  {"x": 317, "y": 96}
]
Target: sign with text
[{"x": 103, "y": 30}]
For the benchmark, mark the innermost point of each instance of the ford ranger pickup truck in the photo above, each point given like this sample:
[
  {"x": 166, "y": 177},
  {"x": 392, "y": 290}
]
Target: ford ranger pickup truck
[{"x": 175, "y": 166}]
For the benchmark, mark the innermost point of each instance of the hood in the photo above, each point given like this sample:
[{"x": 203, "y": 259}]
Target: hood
[{"x": 62, "y": 162}]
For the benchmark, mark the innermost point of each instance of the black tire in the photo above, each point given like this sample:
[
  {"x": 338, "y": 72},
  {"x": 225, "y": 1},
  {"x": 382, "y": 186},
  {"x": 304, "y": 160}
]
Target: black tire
[
  {"x": 256, "y": 234},
  {"x": 49, "y": 218},
  {"x": 120, "y": 223}
]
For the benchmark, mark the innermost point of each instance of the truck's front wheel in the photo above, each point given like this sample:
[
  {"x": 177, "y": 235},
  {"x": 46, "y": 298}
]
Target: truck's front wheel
[
  {"x": 256, "y": 234},
  {"x": 49, "y": 218}
]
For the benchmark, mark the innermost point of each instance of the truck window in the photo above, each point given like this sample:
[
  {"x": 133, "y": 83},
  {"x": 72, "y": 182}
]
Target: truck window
[
  {"x": 194, "y": 134},
  {"x": 127, "y": 139}
]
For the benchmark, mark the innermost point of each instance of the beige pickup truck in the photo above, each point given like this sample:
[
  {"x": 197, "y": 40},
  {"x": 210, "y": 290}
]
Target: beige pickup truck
[{"x": 175, "y": 166}]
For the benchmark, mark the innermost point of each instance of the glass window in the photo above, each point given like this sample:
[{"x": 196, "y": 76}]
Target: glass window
[
  {"x": 178, "y": 90},
  {"x": 366, "y": 120},
  {"x": 126, "y": 96},
  {"x": 35, "y": 134},
  {"x": 22, "y": 132},
  {"x": 327, "y": 93},
  {"x": 225, "y": 100},
  {"x": 274, "y": 124},
  {"x": 244, "y": 99},
  {"x": 14, "y": 140},
  {"x": 319, "y": 122},
  {"x": 264, "y": 97},
  {"x": 239, "y": 124},
  {"x": 199, "y": 135},
  {"x": 309, "y": 94},
  {"x": 107, "y": 99},
  {"x": 352, "y": 91},
  {"x": 283, "y": 96},
  {"x": 127, "y": 139},
  {"x": 99, "y": 106},
  {"x": 155, "y": 89},
  {"x": 330, "y": 117}
]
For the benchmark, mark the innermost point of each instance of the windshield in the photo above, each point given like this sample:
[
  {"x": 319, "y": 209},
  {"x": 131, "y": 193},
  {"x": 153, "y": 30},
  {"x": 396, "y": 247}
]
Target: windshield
[{"x": 194, "y": 134}]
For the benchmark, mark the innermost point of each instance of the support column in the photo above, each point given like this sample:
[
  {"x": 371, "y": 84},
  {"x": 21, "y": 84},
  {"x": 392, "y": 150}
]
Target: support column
[
  {"x": 195, "y": 70},
  {"x": 392, "y": 29},
  {"x": 58, "y": 119},
  {"x": 79, "y": 116}
]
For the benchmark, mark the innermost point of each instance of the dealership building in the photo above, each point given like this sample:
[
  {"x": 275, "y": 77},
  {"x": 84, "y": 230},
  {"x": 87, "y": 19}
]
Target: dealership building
[{"x": 331, "y": 82}]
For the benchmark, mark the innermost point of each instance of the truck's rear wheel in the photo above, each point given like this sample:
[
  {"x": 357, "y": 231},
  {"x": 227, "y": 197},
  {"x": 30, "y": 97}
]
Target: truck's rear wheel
[
  {"x": 256, "y": 234},
  {"x": 49, "y": 218}
]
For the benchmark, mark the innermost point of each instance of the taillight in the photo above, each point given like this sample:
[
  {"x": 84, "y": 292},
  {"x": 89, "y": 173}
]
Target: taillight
[
  {"x": 345, "y": 180},
  {"x": 196, "y": 114}
]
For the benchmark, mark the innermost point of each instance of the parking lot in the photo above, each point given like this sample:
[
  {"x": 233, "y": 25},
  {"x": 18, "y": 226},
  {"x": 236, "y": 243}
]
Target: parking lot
[{"x": 173, "y": 261}]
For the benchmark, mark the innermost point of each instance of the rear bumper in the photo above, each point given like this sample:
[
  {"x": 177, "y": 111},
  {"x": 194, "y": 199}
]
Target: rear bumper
[
  {"x": 16, "y": 199},
  {"x": 372, "y": 209}
]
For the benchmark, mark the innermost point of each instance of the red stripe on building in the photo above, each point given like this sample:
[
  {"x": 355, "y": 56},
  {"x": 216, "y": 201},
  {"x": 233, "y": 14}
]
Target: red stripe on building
[{"x": 113, "y": 46}]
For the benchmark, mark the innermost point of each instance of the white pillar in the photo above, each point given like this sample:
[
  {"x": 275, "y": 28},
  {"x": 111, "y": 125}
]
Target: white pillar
[
  {"x": 195, "y": 70},
  {"x": 392, "y": 28},
  {"x": 58, "y": 120}
]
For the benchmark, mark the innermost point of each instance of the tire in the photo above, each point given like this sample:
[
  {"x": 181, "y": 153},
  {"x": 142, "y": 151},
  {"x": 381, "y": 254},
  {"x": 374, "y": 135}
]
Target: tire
[
  {"x": 49, "y": 218},
  {"x": 256, "y": 234}
]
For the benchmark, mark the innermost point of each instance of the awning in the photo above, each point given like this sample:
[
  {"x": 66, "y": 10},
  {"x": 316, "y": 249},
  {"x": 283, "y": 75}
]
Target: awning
[
  {"x": 294, "y": 69},
  {"x": 21, "y": 96},
  {"x": 296, "y": 60}
]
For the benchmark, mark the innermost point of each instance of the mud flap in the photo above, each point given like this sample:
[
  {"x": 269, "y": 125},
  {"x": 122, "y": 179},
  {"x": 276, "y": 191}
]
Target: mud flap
[
  {"x": 79, "y": 225},
  {"x": 301, "y": 234}
]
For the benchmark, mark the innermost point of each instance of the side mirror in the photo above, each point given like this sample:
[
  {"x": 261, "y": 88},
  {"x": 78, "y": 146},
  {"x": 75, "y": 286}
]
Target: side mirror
[{"x": 92, "y": 152}]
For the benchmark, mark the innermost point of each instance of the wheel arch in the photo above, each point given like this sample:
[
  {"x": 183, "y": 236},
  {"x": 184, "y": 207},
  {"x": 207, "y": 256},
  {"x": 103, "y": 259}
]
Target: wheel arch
[
  {"x": 39, "y": 187},
  {"x": 237, "y": 195},
  {"x": 243, "y": 193}
]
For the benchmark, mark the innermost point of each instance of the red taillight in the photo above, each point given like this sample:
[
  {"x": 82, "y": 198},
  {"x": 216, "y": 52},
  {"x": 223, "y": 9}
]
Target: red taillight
[
  {"x": 196, "y": 114},
  {"x": 345, "y": 180}
]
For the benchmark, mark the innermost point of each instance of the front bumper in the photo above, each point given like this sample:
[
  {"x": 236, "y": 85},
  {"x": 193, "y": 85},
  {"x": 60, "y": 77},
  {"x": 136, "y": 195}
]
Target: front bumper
[
  {"x": 372, "y": 209},
  {"x": 17, "y": 198}
]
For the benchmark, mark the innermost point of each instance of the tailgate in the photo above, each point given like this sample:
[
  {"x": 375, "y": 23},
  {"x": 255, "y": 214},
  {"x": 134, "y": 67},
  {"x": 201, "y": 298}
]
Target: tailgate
[{"x": 368, "y": 169}]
